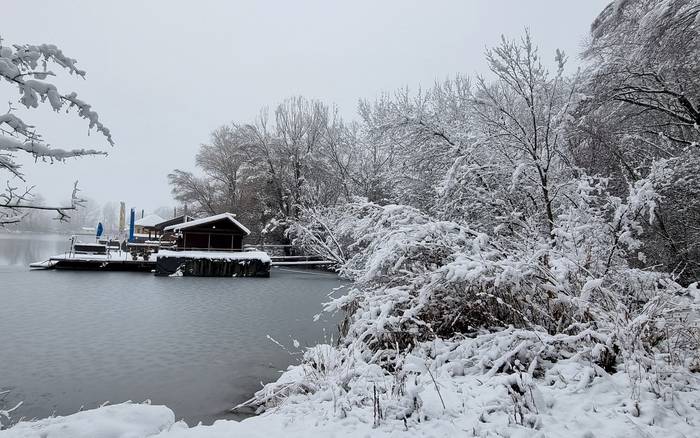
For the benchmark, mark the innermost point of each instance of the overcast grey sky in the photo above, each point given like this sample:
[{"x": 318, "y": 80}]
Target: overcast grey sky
[{"x": 163, "y": 74}]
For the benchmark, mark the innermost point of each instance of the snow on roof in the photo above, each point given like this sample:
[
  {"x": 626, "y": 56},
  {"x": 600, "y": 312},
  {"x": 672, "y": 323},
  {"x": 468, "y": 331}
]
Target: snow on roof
[
  {"x": 206, "y": 220},
  {"x": 176, "y": 220},
  {"x": 149, "y": 221}
]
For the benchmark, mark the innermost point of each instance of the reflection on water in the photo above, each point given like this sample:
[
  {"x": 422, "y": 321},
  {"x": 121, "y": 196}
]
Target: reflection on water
[
  {"x": 20, "y": 249},
  {"x": 199, "y": 345}
]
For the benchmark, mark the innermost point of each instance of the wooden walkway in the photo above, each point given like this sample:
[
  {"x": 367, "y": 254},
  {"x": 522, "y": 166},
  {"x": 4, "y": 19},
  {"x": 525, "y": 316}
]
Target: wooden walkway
[
  {"x": 300, "y": 261},
  {"x": 82, "y": 264},
  {"x": 123, "y": 261},
  {"x": 287, "y": 255}
]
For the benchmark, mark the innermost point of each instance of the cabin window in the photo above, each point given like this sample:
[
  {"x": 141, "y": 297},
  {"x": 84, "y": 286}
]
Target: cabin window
[
  {"x": 196, "y": 240},
  {"x": 220, "y": 241}
]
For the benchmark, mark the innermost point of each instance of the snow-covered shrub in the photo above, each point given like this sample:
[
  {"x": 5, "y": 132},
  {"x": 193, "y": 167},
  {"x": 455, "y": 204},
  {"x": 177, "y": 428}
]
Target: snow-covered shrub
[
  {"x": 512, "y": 382},
  {"x": 324, "y": 371},
  {"x": 501, "y": 331},
  {"x": 418, "y": 278},
  {"x": 5, "y": 412},
  {"x": 522, "y": 253}
]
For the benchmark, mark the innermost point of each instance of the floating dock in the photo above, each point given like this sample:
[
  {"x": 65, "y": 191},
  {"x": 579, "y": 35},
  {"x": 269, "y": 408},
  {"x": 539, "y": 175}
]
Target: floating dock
[
  {"x": 213, "y": 264},
  {"x": 181, "y": 263},
  {"x": 114, "y": 261}
]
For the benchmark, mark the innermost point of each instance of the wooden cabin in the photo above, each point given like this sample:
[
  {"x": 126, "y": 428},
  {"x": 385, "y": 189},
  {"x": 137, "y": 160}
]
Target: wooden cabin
[{"x": 220, "y": 232}]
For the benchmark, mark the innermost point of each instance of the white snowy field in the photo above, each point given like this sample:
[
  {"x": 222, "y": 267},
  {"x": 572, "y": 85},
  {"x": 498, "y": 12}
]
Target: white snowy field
[{"x": 571, "y": 399}]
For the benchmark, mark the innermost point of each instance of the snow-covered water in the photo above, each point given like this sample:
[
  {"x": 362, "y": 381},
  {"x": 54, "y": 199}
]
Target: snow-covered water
[{"x": 198, "y": 345}]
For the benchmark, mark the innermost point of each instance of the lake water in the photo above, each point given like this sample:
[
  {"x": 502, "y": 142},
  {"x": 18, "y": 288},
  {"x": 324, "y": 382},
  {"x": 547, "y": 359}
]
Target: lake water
[{"x": 198, "y": 345}]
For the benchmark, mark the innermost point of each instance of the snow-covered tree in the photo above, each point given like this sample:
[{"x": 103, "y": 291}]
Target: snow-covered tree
[
  {"x": 643, "y": 54},
  {"x": 304, "y": 156},
  {"x": 520, "y": 122},
  {"x": 26, "y": 67},
  {"x": 414, "y": 138},
  {"x": 641, "y": 105},
  {"x": 222, "y": 159},
  {"x": 197, "y": 193},
  {"x": 522, "y": 262},
  {"x": 288, "y": 148}
]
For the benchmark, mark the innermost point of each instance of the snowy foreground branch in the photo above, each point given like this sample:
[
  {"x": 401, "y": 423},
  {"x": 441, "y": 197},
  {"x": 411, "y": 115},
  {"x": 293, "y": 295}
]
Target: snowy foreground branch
[
  {"x": 17, "y": 203},
  {"x": 26, "y": 67}
]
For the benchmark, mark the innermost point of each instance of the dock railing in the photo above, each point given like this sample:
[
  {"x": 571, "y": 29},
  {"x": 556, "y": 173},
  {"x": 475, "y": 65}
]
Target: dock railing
[{"x": 286, "y": 254}]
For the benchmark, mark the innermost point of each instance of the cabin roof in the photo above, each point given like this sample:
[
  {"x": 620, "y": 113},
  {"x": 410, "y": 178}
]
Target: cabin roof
[
  {"x": 149, "y": 221},
  {"x": 206, "y": 220},
  {"x": 174, "y": 221}
]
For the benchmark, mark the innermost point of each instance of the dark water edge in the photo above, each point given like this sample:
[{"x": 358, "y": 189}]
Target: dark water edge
[
  {"x": 198, "y": 345},
  {"x": 21, "y": 249}
]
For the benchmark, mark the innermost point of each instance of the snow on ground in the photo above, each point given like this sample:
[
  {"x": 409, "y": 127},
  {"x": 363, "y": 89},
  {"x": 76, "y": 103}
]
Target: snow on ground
[
  {"x": 571, "y": 399},
  {"x": 472, "y": 408},
  {"x": 125, "y": 420}
]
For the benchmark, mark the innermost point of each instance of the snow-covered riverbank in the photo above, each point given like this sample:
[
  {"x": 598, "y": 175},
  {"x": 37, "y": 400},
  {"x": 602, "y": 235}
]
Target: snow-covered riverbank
[
  {"x": 449, "y": 332},
  {"x": 455, "y": 399}
]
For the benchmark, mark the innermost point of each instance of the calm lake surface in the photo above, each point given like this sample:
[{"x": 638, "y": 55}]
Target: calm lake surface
[{"x": 198, "y": 345}]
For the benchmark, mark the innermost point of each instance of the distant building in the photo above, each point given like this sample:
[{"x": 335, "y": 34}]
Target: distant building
[
  {"x": 146, "y": 226},
  {"x": 174, "y": 221},
  {"x": 218, "y": 232}
]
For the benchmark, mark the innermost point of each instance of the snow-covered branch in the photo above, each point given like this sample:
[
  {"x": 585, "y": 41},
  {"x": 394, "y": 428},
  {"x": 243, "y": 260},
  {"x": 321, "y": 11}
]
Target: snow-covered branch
[
  {"x": 19, "y": 65},
  {"x": 14, "y": 204}
]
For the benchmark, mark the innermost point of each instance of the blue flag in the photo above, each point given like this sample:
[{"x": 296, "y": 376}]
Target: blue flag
[{"x": 131, "y": 225}]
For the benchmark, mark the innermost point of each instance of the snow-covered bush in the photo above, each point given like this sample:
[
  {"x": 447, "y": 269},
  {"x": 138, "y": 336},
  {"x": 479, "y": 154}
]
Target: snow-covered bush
[
  {"x": 524, "y": 273},
  {"x": 6, "y": 412},
  {"x": 321, "y": 367},
  {"x": 575, "y": 296}
]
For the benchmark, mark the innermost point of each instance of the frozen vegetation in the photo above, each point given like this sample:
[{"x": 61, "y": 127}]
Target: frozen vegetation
[
  {"x": 523, "y": 250},
  {"x": 26, "y": 67}
]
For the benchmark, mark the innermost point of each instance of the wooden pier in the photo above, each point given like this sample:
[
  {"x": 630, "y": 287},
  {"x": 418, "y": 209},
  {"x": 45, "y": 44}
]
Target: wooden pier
[
  {"x": 289, "y": 255},
  {"x": 215, "y": 266},
  {"x": 107, "y": 265},
  {"x": 300, "y": 261},
  {"x": 207, "y": 247},
  {"x": 118, "y": 261}
]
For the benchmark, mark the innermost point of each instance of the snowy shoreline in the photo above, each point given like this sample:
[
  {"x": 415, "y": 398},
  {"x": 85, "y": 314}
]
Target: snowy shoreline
[
  {"x": 455, "y": 399},
  {"x": 578, "y": 358}
]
